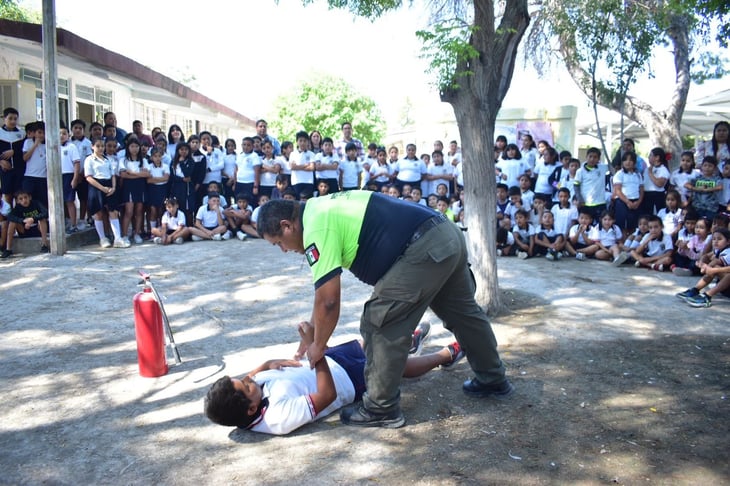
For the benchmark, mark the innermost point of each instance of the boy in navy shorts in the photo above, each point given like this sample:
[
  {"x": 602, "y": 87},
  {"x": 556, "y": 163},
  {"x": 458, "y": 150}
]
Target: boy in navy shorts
[{"x": 12, "y": 166}]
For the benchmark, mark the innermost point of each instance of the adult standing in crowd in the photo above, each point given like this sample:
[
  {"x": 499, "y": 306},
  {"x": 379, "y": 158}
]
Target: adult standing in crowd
[
  {"x": 415, "y": 259},
  {"x": 138, "y": 130},
  {"x": 262, "y": 131},
  {"x": 340, "y": 145},
  {"x": 111, "y": 119},
  {"x": 718, "y": 146}
]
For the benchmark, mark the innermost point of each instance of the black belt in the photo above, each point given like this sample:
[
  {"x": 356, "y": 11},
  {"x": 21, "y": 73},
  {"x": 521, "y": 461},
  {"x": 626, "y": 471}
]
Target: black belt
[{"x": 425, "y": 226}]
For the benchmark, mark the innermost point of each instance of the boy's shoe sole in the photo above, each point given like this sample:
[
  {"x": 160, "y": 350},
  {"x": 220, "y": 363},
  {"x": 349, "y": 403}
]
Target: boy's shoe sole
[
  {"x": 620, "y": 259},
  {"x": 698, "y": 301},
  {"x": 360, "y": 416},
  {"x": 420, "y": 336},
  {"x": 457, "y": 354},
  {"x": 682, "y": 272},
  {"x": 474, "y": 388}
]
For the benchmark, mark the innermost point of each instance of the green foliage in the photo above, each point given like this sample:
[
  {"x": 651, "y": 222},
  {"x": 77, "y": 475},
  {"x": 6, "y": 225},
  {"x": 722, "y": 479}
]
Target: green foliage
[
  {"x": 447, "y": 46},
  {"x": 12, "y": 10},
  {"x": 370, "y": 9},
  {"x": 323, "y": 103}
]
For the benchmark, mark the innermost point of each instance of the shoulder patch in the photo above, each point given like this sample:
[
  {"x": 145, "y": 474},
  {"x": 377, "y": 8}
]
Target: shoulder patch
[{"x": 312, "y": 254}]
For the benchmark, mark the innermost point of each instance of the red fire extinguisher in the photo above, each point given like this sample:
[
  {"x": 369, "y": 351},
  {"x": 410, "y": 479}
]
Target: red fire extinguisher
[{"x": 150, "y": 334}]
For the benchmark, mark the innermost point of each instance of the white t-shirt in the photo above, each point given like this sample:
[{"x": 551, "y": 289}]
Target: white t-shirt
[
  {"x": 591, "y": 183},
  {"x": 157, "y": 171},
  {"x": 214, "y": 166},
  {"x": 658, "y": 246},
  {"x": 631, "y": 183},
  {"x": 671, "y": 220},
  {"x": 380, "y": 173},
  {"x": 35, "y": 166},
  {"x": 543, "y": 172},
  {"x": 512, "y": 169},
  {"x": 229, "y": 165},
  {"x": 607, "y": 237},
  {"x": 173, "y": 222},
  {"x": 410, "y": 170},
  {"x": 660, "y": 172},
  {"x": 429, "y": 187},
  {"x": 269, "y": 178},
  {"x": 575, "y": 231},
  {"x": 350, "y": 170},
  {"x": 679, "y": 179},
  {"x": 83, "y": 147},
  {"x": 301, "y": 158},
  {"x": 100, "y": 168},
  {"x": 524, "y": 234},
  {"x": 289, "y": 391},
  {"x": 246, "y": 164},
  {"x": 69, "y": 155},
  {"x": 209, "y": 219},
  {"x": 563, "y": 217},
  {"x": 321, "y": 158}
]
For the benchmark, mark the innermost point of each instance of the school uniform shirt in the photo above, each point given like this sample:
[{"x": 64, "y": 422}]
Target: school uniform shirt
[
  {"x": 69, "y": 155},
  {"x": 436, "y": 170},
  {"x": 365, "y": 167},
  {"x": 284, "y": 163},
  {"x": 671, "y": 219},
  {"x": 229, "y": 165},
  {"x": 631, "y": 183},
  {"x": 512, "y": 169},
  {"x": 289, "y": 393},
  {"x": 563, "y": 217},
  {"x": 301, "y": 158},
  {"x": 660, "y": 172},
  {"x": 459, "y": 174},
  {"x": 550, "y": 234},
  {"x": 635, "y": 241},
  {"x": 35, "y": 166},
  {"x": 131, "y": 166},
  {"x": 528, "y": 197},
  {"x": 83, "y": 147},
  {"x": 543, "y": 173},
  {"x": 679, "y": 179},
  {"x": 246, "y": 164},
  {"x": 5, "y": 207},
  {"x": 683, "y": 235},
  {"x": 156, "y": 171},
  {"x": 510, "y": 241},
  {"x": 350, "y": 170},
  {"x": 223, "y": 202},
  {"x": 208, "y": 218},
  {"x": 524, "y": 233},
  {"x": 321, "y": 158},
  {"x": 723, "y": 256},
  {"x": 410, "y": 170},
  {"x": 725, "y": 198},
  {"x": 174, "y": 222},
  {"x": 104, "y": 168},
  {"x": 530, "y": 157},
  {"x": 453, "y": 159},
  {"x": 511, "y": 210},
  {"x": 575, "y": 231},
  {"x": 381, "y": 173},
  {"x": 12, "y": 140},
  {"x": 214, "y": 166},
  {"x": 607, "y": 237},
  {"x": 658, "y": 246},
  {"x": 269, "y": 178},
  {"x": 591, "y": 182}
]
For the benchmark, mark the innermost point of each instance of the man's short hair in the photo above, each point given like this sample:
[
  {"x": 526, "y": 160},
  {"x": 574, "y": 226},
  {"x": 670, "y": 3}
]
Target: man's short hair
[
  {"x": 273, "y": 212},
  {"x": 224, "y": 405}
]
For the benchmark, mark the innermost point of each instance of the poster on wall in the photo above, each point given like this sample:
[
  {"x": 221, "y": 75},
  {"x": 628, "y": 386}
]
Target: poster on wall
[{"x": 540, "y": 130}]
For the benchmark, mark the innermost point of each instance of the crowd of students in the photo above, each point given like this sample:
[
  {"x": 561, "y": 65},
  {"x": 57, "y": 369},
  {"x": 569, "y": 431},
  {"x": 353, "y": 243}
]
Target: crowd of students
[
  {"x": 171, "y": 188},
  {"x": 628, "y": 212}
]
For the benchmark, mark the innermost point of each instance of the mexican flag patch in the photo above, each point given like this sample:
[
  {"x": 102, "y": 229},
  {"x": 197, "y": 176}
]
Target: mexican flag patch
[{"x": 312, "y": 254}]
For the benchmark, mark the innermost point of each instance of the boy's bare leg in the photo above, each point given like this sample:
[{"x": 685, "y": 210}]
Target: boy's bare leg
[{"x": 420, "y": 365}]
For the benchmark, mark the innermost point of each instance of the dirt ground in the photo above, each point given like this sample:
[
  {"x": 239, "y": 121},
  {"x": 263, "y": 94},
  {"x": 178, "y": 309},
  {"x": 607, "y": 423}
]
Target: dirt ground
[{"x": 617, "y": 380}]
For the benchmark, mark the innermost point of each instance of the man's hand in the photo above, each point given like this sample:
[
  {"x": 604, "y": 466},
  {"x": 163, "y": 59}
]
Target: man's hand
[
  {"x": 306, "y": 337},
  {"x": 315, "y": 353}
]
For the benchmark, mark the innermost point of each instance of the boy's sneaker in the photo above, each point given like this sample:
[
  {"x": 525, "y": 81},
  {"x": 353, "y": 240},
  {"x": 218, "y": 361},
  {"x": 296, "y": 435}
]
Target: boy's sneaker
[
  {"x": 241, "y": 235},
  {"x": 637, "y": 264},
  {"x": 565, "y": 253},
  {"x": 196, "y": 238},
  {"x": 105, "y": 243},
  {"x": 499, "y": 252},
  {"x": 138, "y": 240},
  {"x": 558, "y": 255},
  {"x": 693, "y": 292},
  {"x": 420, "y": 335},
  {"x": 122, "y": 243},
  {"x": 475, "y": 388},
  {"x": 457, "y": 354},
  {"x": 157, "y": 240},
  {"x": 6, "y": 253},
  {"x": 681, "y": 272},
  {"x": 522, "y": 255},
  {"x": 580, "y": 256},
  {"x": 226, "y": 235},
  {"x": 550, "y": 255},
  {"x": 658, "y": 267},
  {"x": 217, "y": 237},
  {"x": 620, "y": 259},
  {"x": 179, "y": 240},
  {"x": 45, "y": 249},
  {"x": 700, "y": 300},
  {"x": 358, "y": 415}
]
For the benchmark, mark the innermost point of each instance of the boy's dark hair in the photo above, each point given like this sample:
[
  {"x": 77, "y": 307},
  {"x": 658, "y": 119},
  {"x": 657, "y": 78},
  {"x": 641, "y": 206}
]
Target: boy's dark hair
[
  {"x": 607, "y": 212},
  {"x": 289, "y": 191},
  {"x": 271, "y": 214},
  {"x": 282, "y": 178},
  {"x": 502, "y": 185},
  {"x": 305, "y": 194},
  {"x": 593, "y": 150},
  {"x": 523, "y": 212},
  {"x": 720, "y": 220},
  {"x": 585, "y": 210},
  {"x": 95, "y": 124},
  {"x": 323, "y": 181},
  {"x": 381, "y": 150},
  {"x": 350, "y": 146},
  {"x": 540, "y": 197},
  {"x": 213, "y": 182},
  {"x": 211, "y": 195},
  {"x": 444, "y": 199},
  {"x": 224, "y": 405},
  {"x": 304, "y": 135},
  {"x": 439, "y": 152},
  {"x": 564, "y": 154},
  {"x": 724, "y": 232},
  {"x": 78, "y": 121},
  {"x": 327, "y": 139},
  {"x": 502, "y": 235},
  {"x": 372, "y": 146},
  {"x": 109, "y": 126},
  {"x": 286, "y": 145},
  {"x": 10, "y": 111},
  {"x": 564, "y": 189},
  {"x": 514, "y": 191},
  {"x": 345, "y": 123},
  {"x": 711, "y": 159},
  {"x": 245, "y": 196},
  {"x": 574, "y": 160},
  {"x": 21, "y": 192},
  {"x": 656, "y": 219},
  {"x": 247, "y": 139}
]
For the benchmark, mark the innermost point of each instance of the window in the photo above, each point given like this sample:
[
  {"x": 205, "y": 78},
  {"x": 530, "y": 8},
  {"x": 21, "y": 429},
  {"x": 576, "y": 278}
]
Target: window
[{"x": 36, "y": 79}]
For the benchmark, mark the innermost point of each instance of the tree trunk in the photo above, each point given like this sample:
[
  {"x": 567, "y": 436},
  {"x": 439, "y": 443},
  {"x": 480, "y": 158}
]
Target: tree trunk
[{"x": 476, "y": 101}]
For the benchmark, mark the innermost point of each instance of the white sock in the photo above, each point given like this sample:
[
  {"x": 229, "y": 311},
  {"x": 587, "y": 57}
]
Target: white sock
[
  {"x": 116, "y": 229},
  {"x": 99, "y": 225}
]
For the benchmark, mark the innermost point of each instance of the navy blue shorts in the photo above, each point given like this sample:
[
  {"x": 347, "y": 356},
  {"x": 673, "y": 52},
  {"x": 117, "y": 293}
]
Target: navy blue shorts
[
  {"x": 351, "y": 357},
  {"x": 69, "y": 194}
]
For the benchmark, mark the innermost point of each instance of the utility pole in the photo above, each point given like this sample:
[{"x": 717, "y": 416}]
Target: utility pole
[{"x": 56, "y": 220}]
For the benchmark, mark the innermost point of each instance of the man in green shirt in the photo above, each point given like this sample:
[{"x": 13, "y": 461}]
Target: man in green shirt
[{"x": 415, "y": 260}]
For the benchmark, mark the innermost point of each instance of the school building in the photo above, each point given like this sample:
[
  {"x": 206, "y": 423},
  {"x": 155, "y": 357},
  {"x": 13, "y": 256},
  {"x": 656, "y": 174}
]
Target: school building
[{"x": 93, "y": 80}]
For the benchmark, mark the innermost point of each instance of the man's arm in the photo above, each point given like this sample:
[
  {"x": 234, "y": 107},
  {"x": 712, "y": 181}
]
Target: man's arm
[{"x": 325, "y": 315}]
